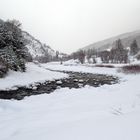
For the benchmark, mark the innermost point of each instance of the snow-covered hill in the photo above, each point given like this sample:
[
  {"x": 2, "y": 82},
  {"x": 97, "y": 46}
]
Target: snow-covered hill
[
  {"x": 126, "y": 38},
  {"x": 36, "y": 48},
  {"x": 40, "y": 51}
]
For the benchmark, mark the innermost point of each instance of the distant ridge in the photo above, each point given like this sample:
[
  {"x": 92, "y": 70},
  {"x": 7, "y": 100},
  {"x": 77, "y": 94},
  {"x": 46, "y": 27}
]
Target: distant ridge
[
  {"x": 106, "y": 44},
  {"x": 35, "y": 47}
]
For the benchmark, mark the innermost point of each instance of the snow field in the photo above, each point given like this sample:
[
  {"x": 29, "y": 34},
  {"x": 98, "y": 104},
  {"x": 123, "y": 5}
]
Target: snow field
[{"x": 110, "y": 112}]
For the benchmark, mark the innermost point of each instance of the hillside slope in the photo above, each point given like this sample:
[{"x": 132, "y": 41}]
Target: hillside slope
[
  {"x": 126, "y": 38},
  {"x": 36, "y": 48}
]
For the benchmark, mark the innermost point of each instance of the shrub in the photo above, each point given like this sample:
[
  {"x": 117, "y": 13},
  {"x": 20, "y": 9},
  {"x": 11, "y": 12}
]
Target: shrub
[
  {"x": 131, "y": 69},
  {"x": 138, "y": 56},
  {"x": 3, "y": 69}
]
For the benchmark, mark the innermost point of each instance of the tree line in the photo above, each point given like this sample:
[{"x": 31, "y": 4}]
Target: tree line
[{"x": 117, "y": 54}]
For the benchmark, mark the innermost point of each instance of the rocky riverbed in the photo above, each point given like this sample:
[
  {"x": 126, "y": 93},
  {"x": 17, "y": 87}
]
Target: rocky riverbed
[{"x": 75, "y": 80}]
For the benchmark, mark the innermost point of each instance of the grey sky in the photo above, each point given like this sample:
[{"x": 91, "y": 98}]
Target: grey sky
[{"x": 67, "y": 25}]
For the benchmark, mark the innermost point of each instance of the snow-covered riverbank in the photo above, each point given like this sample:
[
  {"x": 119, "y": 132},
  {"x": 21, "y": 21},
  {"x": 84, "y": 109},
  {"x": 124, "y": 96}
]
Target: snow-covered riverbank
[{"x": 33, "y": 74}]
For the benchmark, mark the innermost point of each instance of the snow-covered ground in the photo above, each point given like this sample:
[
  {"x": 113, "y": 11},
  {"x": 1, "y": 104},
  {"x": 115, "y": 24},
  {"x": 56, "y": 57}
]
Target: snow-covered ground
[
  {"x": 34, "y": 74},
  {"x": 81, "y": 68},
  {"x": 110, "y": 112}
]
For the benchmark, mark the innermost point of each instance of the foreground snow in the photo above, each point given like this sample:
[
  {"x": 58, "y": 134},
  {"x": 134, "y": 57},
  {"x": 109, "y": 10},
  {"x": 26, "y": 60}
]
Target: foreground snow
[
  {"x": 103, "y": 113},
  {"x": 34, "y": 74}
]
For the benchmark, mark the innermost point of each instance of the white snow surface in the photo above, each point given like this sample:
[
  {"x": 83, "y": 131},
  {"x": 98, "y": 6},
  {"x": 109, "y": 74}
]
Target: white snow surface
[
  {"x": 34, "y": 74},
  {"x": 81, "y": 68},
  {"x": 109, "y": 112}
]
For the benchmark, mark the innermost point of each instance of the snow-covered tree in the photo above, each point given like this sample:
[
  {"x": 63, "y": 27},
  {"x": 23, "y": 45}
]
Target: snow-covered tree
[
  {"x": 10, "y": 59},
  {"x": 12, "y": 45}
]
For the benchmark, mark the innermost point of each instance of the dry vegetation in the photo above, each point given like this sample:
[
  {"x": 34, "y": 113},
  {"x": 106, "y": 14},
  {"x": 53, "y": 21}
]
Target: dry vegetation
[
  {"x": 131, "y": 69},
  {"x": 107, "y": 66}
]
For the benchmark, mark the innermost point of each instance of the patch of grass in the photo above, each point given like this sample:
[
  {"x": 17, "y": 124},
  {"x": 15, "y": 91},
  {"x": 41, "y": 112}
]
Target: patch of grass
[{"x": 131, "y": 69}]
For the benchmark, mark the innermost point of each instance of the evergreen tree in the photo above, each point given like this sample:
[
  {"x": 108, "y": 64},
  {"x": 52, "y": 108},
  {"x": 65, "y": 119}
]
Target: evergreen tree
[
  {"x": 12, "y": 50},
  {"x": 134, "y": 48}
]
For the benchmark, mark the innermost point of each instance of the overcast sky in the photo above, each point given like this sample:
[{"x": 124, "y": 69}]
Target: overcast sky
[{"x": 67, "y": 25}]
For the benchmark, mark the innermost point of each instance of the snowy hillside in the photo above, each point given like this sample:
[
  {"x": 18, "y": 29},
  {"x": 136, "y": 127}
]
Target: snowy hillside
[
  {"x": 126, "y": 39},
  {"x": 36, "y": 48}
]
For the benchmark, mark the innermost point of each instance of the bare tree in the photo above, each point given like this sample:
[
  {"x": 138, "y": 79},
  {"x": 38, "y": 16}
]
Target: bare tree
[
  {"x": 104, "y": 56},
  {"x": 119, "y": 54},
  {"x": 81, "y": 56}
]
